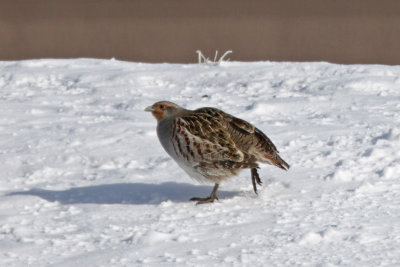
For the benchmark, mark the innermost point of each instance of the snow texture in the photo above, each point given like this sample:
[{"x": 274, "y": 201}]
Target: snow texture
[{"x": 85, "y": 182}]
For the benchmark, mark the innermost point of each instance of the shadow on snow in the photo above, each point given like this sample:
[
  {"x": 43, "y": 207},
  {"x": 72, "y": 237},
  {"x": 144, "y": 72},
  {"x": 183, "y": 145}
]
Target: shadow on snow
[{"x": 127, "y": 193}]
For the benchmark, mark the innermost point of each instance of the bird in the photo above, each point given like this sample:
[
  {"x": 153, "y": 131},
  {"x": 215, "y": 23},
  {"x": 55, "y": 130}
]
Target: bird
[{"x": 211, "y": 145}]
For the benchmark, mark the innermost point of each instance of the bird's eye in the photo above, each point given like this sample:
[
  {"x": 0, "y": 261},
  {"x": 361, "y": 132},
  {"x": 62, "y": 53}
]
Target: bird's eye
[{"x": 162, "y": 106}]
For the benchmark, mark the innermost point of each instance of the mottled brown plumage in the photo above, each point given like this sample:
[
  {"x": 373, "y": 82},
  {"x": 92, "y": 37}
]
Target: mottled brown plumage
[{"x": 211, "y": 145}]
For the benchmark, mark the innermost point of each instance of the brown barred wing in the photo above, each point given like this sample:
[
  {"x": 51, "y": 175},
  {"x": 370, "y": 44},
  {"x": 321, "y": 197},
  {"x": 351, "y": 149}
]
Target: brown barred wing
[{"x": 199, "y": 137}]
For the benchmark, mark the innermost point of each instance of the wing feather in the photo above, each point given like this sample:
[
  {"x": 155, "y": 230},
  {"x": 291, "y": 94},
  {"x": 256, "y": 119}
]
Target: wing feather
[{"x": 208, "y": 138}]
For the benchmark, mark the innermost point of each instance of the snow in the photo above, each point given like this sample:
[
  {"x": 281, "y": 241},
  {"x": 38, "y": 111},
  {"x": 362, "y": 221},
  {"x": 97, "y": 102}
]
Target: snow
[{"x": 85, "y": 182}]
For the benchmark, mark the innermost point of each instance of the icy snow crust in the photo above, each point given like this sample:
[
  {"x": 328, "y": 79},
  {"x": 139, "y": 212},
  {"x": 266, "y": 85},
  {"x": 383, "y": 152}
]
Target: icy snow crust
[{"x": 85, "y": 182}]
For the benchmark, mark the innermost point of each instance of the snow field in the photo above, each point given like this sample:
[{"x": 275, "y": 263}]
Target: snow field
[{"x": 84, "y": 180}]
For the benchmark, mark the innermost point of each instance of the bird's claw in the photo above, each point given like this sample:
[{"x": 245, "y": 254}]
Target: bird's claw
[{"x": 204, "y": 200}]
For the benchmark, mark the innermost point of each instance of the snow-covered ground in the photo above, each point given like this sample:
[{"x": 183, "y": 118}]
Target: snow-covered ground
[{"x": 85, "y": 182}]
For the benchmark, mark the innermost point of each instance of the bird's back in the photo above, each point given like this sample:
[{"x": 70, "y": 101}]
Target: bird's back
[{"x": 248, "y": 139}]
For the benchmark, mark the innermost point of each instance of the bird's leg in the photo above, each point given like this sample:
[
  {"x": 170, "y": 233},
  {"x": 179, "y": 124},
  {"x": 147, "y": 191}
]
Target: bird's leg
[
  {"x": 255, "y": 178},
  {"x": 209, "y": 199}
]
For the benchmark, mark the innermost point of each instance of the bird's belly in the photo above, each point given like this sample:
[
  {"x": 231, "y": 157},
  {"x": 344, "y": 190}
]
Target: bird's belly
[
  {"x": 193, "y": 172},
  {"x": 205, "y": 174},
  {"x": 200, "y": 174}
]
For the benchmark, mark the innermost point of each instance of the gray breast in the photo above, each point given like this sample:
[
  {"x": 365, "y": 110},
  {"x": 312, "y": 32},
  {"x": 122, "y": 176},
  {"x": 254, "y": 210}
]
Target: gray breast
[{"x": 164, "y": 133}]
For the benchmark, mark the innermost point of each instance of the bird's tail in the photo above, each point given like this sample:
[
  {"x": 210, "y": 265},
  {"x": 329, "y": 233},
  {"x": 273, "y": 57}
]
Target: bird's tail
[
  {"x": 270, "y": 152},
  {"x": 277, "y": 161}
]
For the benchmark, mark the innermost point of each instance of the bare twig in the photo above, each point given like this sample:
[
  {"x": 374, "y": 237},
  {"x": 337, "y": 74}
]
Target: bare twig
[{"x": 203, "y": 60}]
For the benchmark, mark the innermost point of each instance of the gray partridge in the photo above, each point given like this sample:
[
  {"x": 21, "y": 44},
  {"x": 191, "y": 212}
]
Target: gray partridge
[{"x": 211, "y": 145}]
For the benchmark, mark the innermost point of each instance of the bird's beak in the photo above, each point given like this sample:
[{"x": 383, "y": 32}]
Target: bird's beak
[{"x": 149, "y": 108}]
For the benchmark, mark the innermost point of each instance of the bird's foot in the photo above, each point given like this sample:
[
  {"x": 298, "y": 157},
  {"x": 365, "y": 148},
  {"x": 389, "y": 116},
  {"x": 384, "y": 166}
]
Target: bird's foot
[
  {"x": 255, "y": 178},
  {"x": 210, "y": 199},
  {"x": 204, "y": 200}
]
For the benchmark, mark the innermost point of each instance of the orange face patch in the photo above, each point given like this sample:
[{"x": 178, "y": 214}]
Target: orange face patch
[{"x": 158, "y": 114}]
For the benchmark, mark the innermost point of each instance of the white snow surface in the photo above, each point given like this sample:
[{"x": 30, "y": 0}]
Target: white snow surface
[{"x": 84, "y": 180}]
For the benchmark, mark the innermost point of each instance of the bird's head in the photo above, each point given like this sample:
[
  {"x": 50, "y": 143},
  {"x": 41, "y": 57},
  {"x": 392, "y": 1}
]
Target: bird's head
[{"x": 163, "y": 109}]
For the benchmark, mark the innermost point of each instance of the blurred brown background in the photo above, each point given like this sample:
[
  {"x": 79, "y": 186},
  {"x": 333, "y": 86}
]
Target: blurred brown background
[{"x": 341, "y": 31}]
